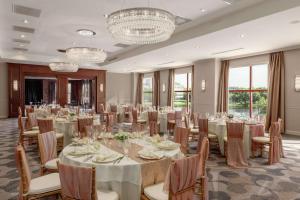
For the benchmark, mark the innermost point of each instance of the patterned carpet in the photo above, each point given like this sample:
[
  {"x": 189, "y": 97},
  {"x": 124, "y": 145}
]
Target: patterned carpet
[{"x": 258, "y": 182}]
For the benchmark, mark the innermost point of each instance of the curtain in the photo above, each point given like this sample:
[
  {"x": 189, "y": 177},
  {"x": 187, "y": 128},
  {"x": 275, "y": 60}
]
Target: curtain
[
  {"x": 139, "y": 90},
  {"x": 192, "y": 96},
  {"x": 156, "y": 91},
  {"x": 222, "y": 105},
  {"x": 276, "y": 90},
  {"x": 170, "y": 87}
]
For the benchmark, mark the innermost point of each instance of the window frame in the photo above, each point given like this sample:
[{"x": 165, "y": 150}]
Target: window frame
[
  {"x": 250, "y": 91},
  {"x": 187, "y": 91},
  {"x": 148, "y": 92}
]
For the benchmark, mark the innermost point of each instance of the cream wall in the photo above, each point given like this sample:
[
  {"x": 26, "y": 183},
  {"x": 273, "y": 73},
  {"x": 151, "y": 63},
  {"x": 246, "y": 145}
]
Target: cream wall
[
  {"x": 3, "y": 90},
  {"x": 164, "y": 78}
]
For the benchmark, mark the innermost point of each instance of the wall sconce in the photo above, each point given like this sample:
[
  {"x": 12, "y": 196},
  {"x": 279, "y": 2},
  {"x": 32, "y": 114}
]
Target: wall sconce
[
  {"x": 15, "y": 85},
  {"x": 163, "y": 87},
  {"x": 203, "y": 85},
  {"x": 101, "y": 87},
  {"x": 297, "y": 83}
]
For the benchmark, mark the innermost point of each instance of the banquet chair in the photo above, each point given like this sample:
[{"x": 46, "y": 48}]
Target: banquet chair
[
  {"x": 35, "y": 188},
  {"x": 137, "y": 124},
  {"x": 234, "y": 146},
  {"x": 28, "y": 109},
  {"x": 182, "y": 137},
  {"x": 127, "y": 113},
  {"x": 154, "y": 124},
  {"x": 55, "y": 111},
  {"x": 275, "y": 148},
  {"x": 178, "y": 118},
  {"x": 257, "y": 131},
  {"x": 280, "y": 121},
  {"x": 110, "y": 122},
  {"x": 32, "y": 121},
  {"x": 170, "y": 121},
  {"x": 48, "y": 152},
  {"x": 180, "y": 181},
  {"x": 114, "y": 110},
  {"x": 103, "y": 113},
  {"x": 80, "y": 183},
  {"x": 26, "y": 135},
  {"x": 204, "y": 132},
  {"x": 82, "y": 123}
]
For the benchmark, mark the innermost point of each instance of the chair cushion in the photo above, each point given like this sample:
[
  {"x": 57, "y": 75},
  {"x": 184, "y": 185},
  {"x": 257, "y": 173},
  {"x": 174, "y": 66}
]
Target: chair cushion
[
  {"x": 43, "y": 184},
  {"x": 107, "y": 195},
  {"x": 261, "y": 139},
  {"x": 59, "y": 135},
  {"x": 31, "y": 133},
  {"x": 212, "y": 136},
  {"x": 155, "y": 192},
  {"x": 51, "y": 164},
  {"x": 35, "y": 128}
]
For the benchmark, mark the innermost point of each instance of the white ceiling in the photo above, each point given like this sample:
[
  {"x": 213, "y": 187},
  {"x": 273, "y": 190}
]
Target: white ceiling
[{"x": 199, "y": 39}]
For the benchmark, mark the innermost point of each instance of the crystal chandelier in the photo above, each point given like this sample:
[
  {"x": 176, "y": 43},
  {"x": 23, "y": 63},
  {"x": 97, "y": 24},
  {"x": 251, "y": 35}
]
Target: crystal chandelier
[
  {"x": 63, "y": 67},
  {"x": 86, "y": 55},
  {"x": 141, "y": 25}
]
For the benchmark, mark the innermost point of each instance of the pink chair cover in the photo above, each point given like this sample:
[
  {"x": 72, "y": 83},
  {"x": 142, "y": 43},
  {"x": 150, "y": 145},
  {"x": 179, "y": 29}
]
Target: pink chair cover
[
  {"x": 256, "y": 131},
  {"x": 181, "y": 178},
  {"x": 113, "y": 108},
  {"x": 182, "y": 137},
  {"x": 47, "y": 146},
  {"x": 170, "y": 121},
  {"x": 235, "y": 147},
  {"x": 153, "y": 126},
  {"x": 178, "y": 118},
  {"x": 82, "y": 123},
  {"x": 45, "y": 125},
  {"x": 55, "y": 111},
  {"x": 110, "y": 122},
  {"x": 195, "y": 117},
  {"x": 32, "y": 120},
  {"x": 76, "y": 182},
  {"x": 203, "y": 156},
  {"x": 275, "y": 146},
  {"x": 101, "y": 108},
  {"x": 203, "y": 131}
]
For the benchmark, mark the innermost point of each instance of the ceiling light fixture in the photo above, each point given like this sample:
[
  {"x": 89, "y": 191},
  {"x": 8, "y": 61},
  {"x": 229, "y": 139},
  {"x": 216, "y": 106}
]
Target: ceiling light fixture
[
  {"x": 242, "y": 35},
  {"x": 25, "y": 21},
  {"x": 203, "y": 10},
  {"x": 86, "y": 55},
  {"x": 22, "y": 36},
  {"x": 141, "y": 25},
  {"x": 63, "y": 67},
  {"x": 86, "y": 32}
]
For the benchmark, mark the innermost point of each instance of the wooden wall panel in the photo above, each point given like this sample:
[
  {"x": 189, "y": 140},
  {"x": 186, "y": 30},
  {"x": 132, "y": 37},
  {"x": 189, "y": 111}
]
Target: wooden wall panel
[{"x": 14, "y": 93}]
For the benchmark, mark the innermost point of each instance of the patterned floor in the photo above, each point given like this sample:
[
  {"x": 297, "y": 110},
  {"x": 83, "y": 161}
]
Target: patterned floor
[{"x": 258, "y": 182}]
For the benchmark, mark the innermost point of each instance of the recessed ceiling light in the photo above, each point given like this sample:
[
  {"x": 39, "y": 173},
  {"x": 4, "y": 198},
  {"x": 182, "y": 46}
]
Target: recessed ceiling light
[
  {"x": 25, "y": 21},
  {"x": 242, "y": 35},
  {"x": 86, "y": 32},
  {"x": 227, "y": 2},
  {"x": 22, "y": 36},
  {"x": 21, "y": 45},
  {"x": 73, "y": 43},
  {"x": 203, "y": 10},
  {"x": 105, "y": 15}
]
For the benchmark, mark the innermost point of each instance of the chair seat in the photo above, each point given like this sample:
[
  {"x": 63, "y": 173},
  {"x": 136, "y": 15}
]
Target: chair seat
[
  {"x": 43, "y": 184},
  {"x": 155, "y": 192},
  {"x": 212, "y": 136},
  {"x": 171, "y": 121},
  {"x": 194, "y": 130},
  {"x": 35, "y": 128},
  {"x": 142, "y": 121},
  {"x": 59, "y": 135},
  {"x": 261, "y": 139},
  {"x": 107, "y": 195},
  {"x": 31, "y": 133},
  {"x": 51, "y": 164}
]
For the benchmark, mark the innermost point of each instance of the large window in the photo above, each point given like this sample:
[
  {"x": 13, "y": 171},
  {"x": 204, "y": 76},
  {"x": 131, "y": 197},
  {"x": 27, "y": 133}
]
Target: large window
[
  {"x": 248, "y": 90},
  {"x": 182, "y": 91},
  {"x": 147, "y": 91}
]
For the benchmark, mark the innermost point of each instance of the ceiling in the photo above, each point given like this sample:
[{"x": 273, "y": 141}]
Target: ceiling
[{"x": 213, "y": 27}]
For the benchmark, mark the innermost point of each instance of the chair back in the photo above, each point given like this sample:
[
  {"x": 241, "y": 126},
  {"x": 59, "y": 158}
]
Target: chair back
[
  {"x": 182, "y": 137},
  {"x": 101, "y": 108},
  {"x": 134, "y": 116},
  {"x": 187, "y": 121},
  {"x": 195, "y": 117},
  {"x": 203, "y": 156},
  {"x": 235, "y": 130},
  {"x": 276, "y": 144},
  {"x": 55, "y": 111},
  {"x": 77, "y": 182},
  {"x": 113, "y": 108},
  {"x": 178, "y": 118},
  {"x": 110, "y": 122},
  {"x": 152, "y": 121},
  {"x": 203, "y": 125},
  {"x": 171, "y": 116},
  {"x": 20, "y": 111},
  {"x": 23, "y": 168},
  {"x": 32, "y": 120},
  {"x": 45, "y": 125},
  {"x": 28, "y": 109},
  {"x": 82, "y": 123},
  {"x": 47, "y": 146}
]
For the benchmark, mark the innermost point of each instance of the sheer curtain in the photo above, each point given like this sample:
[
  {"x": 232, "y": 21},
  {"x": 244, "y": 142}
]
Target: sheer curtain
[
  {"x": 139, "y": 90},
  {"x": 170, "y": 87},
  {"x": 222, "y": 105},
  {"x": 276, "y": 89},
  {"x": 156, "y": 92}
]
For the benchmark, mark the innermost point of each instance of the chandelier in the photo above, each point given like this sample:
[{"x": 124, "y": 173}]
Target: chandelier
[
  {"x": 63, "y": 67},
  {"x": 141, "y": 25},
  {"x": 86, "y": 55}
]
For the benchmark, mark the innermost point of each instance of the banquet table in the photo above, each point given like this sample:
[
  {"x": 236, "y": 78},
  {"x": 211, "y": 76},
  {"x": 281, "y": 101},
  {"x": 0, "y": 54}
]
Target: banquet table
[
  {"x": 162, "y": 117},
  {"x": 126, "y": 176},
  {"x": 218, "y": 127}
]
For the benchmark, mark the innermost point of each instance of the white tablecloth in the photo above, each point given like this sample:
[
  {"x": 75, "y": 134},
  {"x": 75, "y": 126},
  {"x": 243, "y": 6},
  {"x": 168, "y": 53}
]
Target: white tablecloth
[{"x": 123, "y": 177}]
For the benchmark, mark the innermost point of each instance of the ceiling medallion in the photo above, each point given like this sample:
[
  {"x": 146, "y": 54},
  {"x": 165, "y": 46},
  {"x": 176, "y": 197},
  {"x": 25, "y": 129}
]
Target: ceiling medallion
[
  {"x": 86, "y": 55},
  {"x": 141, "y": 25},
  {"x": 63, "y": 67}
]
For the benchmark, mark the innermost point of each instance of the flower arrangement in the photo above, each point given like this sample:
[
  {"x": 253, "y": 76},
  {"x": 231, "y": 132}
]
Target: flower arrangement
[
  {"x": 121, "y": 136},
  {"x": 72, "y": 114}
]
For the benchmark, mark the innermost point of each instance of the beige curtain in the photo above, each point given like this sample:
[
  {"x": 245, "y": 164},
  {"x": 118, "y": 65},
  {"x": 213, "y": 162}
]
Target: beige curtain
[
  {"x": 170, "y": 87},
  {"x": 222, "y": 105},
  {"x": 156, "y": 91},
  {"x": 139, "y": 90},
  {"x": 276, "y": 90},
  {"x": 193, "y": 78}
]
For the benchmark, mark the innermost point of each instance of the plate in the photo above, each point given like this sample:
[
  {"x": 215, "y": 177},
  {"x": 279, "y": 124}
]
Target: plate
[
  {"x": 170, "y": 146},
  {"x": 107, "y": 160},
  {"x": 157, "y": 155}
]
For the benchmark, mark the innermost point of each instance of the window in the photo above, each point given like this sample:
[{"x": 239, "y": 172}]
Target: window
[
  {"x": 182, "y": 91},
  {"x": 147, "y": 91},
  {"x": 69, "y": 93},
  {"x": 248, "y": 90}
]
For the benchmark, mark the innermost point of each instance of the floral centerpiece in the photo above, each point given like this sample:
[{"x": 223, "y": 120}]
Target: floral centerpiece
[
  {"x": 121, "y": 136},
  {"x": 72, "y": 115}
]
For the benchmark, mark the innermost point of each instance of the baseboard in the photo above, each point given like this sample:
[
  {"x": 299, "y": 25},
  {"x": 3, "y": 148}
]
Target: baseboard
[{"x": 297, "y": 133}]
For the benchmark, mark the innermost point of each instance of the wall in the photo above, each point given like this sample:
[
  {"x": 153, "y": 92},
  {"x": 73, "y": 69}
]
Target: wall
[
  {"x": 119, "y": 88},
  {"x": 3, "y": 91},
  {"x": 164, "y": 78}
]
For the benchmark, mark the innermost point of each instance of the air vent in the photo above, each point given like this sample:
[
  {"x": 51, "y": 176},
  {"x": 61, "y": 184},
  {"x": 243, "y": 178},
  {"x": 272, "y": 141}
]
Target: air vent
[
  {"x": 21, "y": 41},
  {"x": 20, "y": 49},
  {"x": 166, "y": 63},
  {"x": 22, "y": 10},
  {"x": 227, "y": 51},
  {"x": 181, "y": 20},
  {"x": 61, "y": 50},
  {"x": 23, "y": 29},
  {"x": 121, "y": 45}
]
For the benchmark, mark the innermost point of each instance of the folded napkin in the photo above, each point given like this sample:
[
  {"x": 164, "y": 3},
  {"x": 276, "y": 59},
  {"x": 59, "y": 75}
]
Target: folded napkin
[{"x": 148, "y": 153}]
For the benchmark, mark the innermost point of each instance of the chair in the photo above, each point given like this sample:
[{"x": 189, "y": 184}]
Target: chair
[
  {"x": 180, "y": 181},
  {"x": 233, "y": 145},
  {"x": 137, "y": 124},
  {"x": 32, "y": 121},
  {"x": 171, "y": 121},
  {"x": 80, "y": 183},
  {"x": 178, "y": 118},
  {"x": 203, "y": 132},
  {"x": 48, "y": 152},
  {"x": 127, "y": 113},
  {"x": 256, "y": 131},
  {"x": 103, "y": 113},
  {"x": 182, "y": 137},
  {"x": 275, "y": 147},
  {"x": 36, "y": 188},
  {"x": 153, "y": 123},
  {"x": 25, "y": 135},
  {"x": 82, "y": 123},
  {"x": 55, "y": 111},
  {"x": 114, "y": 110},
  {"x": 110, "y": 122}
]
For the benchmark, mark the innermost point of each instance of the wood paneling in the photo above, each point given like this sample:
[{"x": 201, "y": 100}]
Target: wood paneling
[{"x": 19, "y": 71}]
